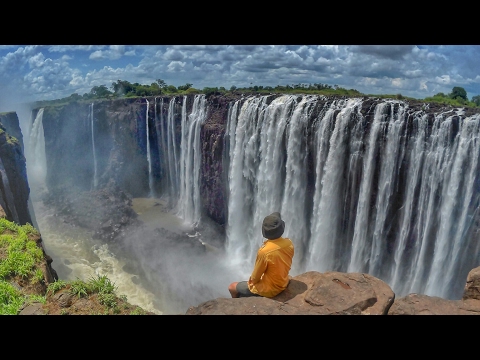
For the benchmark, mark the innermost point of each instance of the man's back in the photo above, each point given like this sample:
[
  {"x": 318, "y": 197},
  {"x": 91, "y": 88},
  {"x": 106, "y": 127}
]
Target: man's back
[
  {"x": 272, "y": 265},
  {"x": 274, "y": 260}
]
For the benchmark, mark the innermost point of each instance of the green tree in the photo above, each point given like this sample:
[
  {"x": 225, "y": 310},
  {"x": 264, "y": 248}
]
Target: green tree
[
  {"x": 458, "y": 92},
  {"x": 161, "y": 83},
  {"x": 155, "y": 89},
  {"x": 476, "y": 100},
  {"x": 100, "y": 91},
  {"x": 75, "y": 96},
  {"x": 210, "y": 91},
  {"x": 142, "y": 90},
  {"x": 171, "y": 89},
  {"x": 122, "y": 87},
  {"x": 185, "y": 87}
]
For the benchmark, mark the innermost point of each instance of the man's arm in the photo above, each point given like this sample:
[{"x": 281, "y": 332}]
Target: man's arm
[{"x": 259, "y": 269}]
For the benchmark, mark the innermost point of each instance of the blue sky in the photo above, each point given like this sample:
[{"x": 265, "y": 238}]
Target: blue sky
[{"x": 46, "y": 72}]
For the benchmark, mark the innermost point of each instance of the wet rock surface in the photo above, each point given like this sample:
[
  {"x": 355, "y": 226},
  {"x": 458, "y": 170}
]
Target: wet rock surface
[{"x": 107, "y": 212}]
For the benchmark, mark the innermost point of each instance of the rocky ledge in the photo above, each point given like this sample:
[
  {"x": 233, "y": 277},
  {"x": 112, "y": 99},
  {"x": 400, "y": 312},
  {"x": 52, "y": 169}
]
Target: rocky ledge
[{"x": 336, "y": 293}]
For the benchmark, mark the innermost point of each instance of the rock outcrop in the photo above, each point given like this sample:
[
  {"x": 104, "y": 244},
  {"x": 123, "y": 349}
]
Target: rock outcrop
[
  {"x": 14, "y": 188},
  {"x": 336, "y": 293},
  {"x": 311, "y": 293}
]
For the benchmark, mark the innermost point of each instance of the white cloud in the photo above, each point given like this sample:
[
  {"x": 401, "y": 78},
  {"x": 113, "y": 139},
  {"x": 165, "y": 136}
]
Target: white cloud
[
  {"x": 414, "y": 70},
  {"x": 114, "y": 52},
  {"x": 36, "y": 60},
  {"x": 176, "y": 66},
  {"x": 64, "y": 48}
]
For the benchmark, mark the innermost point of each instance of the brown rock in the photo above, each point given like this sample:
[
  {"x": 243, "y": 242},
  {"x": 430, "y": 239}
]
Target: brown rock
[
  {"x": 64, "y": 299},
  {"x": 33, "y": 309},
  {"x": 415, "y": 304},
  {"x": 472, "y": 286},
  {"x": 311, "y": 293}
]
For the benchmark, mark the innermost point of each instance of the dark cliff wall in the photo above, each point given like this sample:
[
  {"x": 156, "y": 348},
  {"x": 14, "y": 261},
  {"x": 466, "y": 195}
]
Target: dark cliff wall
[
  {"x": 120, "y": 145},
  {"x": 67, "y": 146},
  {"x": 12, "y": 125},
  {"x": 121, "y": 150},
  {"x": 213, "y": 184},
  {"x": 14, "y": 188}
]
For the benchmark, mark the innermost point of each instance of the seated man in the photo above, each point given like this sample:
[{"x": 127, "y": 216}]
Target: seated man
[{"x": 272, "y": 265}]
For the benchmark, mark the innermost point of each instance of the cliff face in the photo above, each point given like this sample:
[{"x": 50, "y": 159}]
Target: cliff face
[
  {"x": 116, "y": 149},
  {"x": 14, "y": 188},
  {"x": 214, "y": 171}
]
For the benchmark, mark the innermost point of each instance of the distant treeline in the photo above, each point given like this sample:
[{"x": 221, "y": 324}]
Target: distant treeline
[{"x": 123, "y": 88}]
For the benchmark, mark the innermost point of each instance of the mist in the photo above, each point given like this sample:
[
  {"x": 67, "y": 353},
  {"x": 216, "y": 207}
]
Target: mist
[
  {"x": 181, "y": 267},
  {"x": 161, "y": 261}
]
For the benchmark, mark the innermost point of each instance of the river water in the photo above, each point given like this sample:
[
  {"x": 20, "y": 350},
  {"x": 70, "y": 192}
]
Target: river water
[
  {"x": 176, "y": 280},
  {"x": 76, "y": 255}
]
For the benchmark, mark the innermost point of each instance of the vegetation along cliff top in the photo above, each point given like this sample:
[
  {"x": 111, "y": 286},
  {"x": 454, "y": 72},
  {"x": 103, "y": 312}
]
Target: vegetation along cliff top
[{"x": 122, "y": 88}]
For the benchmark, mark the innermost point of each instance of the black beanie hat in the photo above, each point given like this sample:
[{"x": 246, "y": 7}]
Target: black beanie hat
[{"x": 273, "y": 226}]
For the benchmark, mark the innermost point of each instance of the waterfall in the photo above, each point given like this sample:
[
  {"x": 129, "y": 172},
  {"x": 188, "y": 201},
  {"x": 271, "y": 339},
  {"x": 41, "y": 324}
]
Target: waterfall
[
  {"x": 95, "y": 179},
  {"x": 393, "y": 194},
  {"x": 161, "y": 131},
  {"x": 190, "y": 160},
  {"x": 327, "y": 223},
  {"x": 183, "y": 159},
  {"x": 244, "y": 128},
  {"x": 35, "y": 155},
  {"x": 171, "y": 154},
  {"x": 150, "y": 176}
]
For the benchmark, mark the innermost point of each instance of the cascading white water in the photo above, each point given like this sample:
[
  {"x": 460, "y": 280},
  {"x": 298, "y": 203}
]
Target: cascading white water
[
  {"x": 161, "y": 131},
  {"x": 36, "y": 159},
  {"x": 190, "y": 160},
  {"x": 326, "y": 225},
  {"x": 394, "y": 196},
  {"x": 360, "y": 256},
  {"x": 149, "y": 155},
  {"x": 293, "y": 204},
  {"x": 452, "y": 248},
  {"x": 422, "y": 172},
  {"x": 171, "y": 155},
  {"x": 95, "y": 177},
  {"x": 183, "y": 155},
  {"x": 183, "y": 160},
  {"x": 243, "y": 125},
  {"x": 393, "y": 153}
]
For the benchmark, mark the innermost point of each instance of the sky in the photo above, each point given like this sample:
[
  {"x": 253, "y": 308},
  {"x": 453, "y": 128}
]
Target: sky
[{"x": 46, "y": 72}]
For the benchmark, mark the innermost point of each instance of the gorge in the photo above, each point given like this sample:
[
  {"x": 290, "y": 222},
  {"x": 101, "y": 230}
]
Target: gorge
[{"x": 386, "y": 187}]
